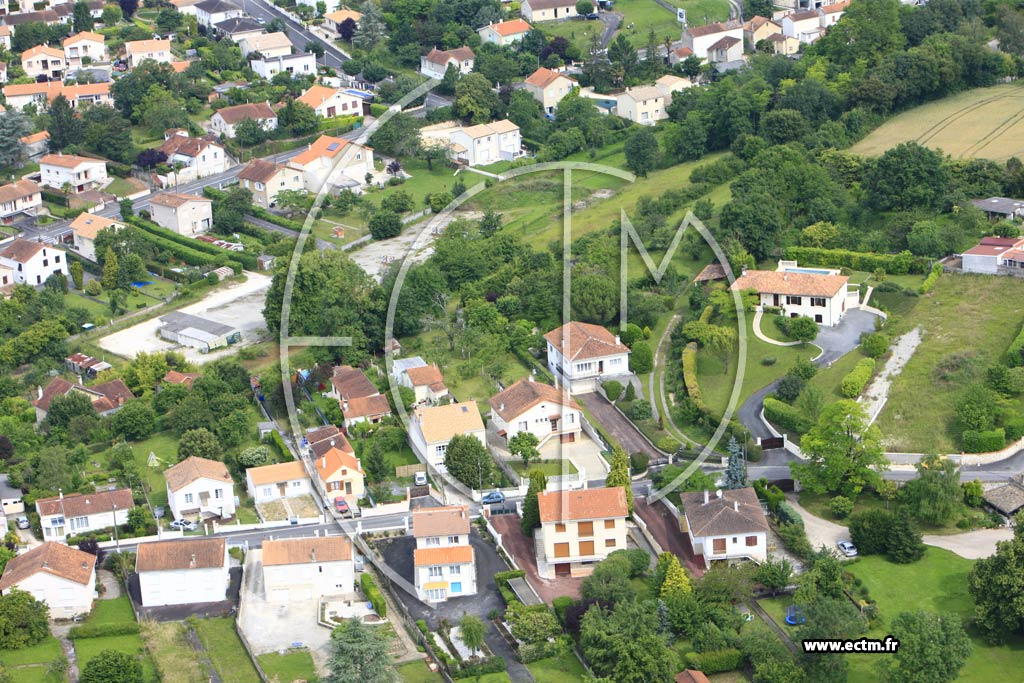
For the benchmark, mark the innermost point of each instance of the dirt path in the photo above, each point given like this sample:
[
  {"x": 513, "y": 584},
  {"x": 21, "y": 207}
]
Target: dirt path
[
  {"x": 877, "y": 393},
  {"x": 60, "y": 632}
]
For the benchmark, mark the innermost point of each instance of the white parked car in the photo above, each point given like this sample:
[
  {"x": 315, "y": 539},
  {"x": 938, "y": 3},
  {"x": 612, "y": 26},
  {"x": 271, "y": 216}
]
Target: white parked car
[{"x": 847, "y": 548}]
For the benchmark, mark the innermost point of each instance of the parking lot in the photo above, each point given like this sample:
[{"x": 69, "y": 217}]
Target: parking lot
[{"x": 239, "y": 305}]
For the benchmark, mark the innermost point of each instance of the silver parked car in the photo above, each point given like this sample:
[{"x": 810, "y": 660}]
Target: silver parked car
[{"x": 847, "y": 548}]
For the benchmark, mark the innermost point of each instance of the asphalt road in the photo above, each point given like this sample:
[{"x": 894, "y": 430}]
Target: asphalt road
[{"x": 333, "y": 57}]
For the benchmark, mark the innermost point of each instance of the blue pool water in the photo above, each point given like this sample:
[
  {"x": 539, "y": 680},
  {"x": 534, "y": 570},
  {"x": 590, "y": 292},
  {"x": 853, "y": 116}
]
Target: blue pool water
[
  {"x": 810, "y": 271},
  {"x": 140, "y": 285}
]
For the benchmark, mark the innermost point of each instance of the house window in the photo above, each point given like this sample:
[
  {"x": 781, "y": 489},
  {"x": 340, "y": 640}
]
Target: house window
[
  {"x": 609, "y": 524},
  {"x": 586, "y": 547},
  {"x": 585, "y": 528},
  {"x": 818, "y": 301},
  {"x": 296, "y": 483},
  {"x": 523, "y": 425},
  {"x": 457, "y": 587},
  {"x": 188, "y": 497},
  {"x": 454, "y": 569},
  {"x": 441, "y": 449},
  {"x": 751, "y": 541},
  {"x": 559, "y": 528},
  {"x": 434, "y": 572},
  {"x": 433, "y": 540},
  {"x": 453, "y": 540},
  {"x": 718, "y": 546},
  {"x": 79, "y": 523},
  {"x": 795, "y": 300},
  {"x": 609, "y": 543},
  {"x": 218, "y": 493},
  {"x": 561, "y": 550},
  {"x": 435, "y": 595},
  {"x": 268, "y": 491}
]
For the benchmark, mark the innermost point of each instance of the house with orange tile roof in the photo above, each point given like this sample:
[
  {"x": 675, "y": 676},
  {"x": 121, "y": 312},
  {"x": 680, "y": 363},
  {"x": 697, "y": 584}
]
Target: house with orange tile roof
[
  {"x": 225, "y": 119},
  {"x": 335, "y": 19},
  {"x": 505, "y": 32},
  {"x": 331, "y": 102},
  {"x": 199, "y": 487},
  {"x": 265, "y": 179},
  {"x": 431, "y": 429},
  {"x": 443, "y": 561},
  {"x": 426, "y": 382},
  {"x": 992, "y": 255},
  {"x": 700, "y": 39},
  {"x": 435, "y": 63},
  {"x": 138, "y": 51},
  {"x": 819, "y": 294},
  {"x": 547, "y": 10},
  {"x": 85, "y": 228},
  {"x": 341, "y": 162},
  {"x": 541, "y": 409},
  {"x": 45, "y": 61},
  {"x": 85, "y": 45},
  {"x": 193, "y": 158},
  {"x": 549, "y": 87},
  {"x": 582, "y": 355},
  {"x": 69, "y": 170},
  {"x": 20, "y": 95},
  {"x": 106, "y": 398},
  {"x": 184, "y": 379},
  {"x": 21, "y": 196},
  {"x": 62, "y": 577},
  {"x": 339, "y": 473},
  {"x": 579, "y": 529},
  {"x": 281, "y": 480},
  {"x": 303, "y": 569}
]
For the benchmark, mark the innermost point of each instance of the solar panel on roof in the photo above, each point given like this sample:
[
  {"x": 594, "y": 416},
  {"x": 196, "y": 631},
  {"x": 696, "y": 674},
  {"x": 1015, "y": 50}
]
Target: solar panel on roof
[{"x": 333, "y": 146}]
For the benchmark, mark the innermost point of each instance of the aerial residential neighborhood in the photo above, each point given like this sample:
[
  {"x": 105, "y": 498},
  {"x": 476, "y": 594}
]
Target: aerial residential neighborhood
[{"x": 556, "y": 341}]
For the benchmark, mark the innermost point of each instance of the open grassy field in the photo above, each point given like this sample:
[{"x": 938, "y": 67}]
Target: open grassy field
[
  {"x": 32, "y": 664},
  {"x": 965, "y": 327},
  {"x": 175, "y": 658},
  {"x": 565, "y": 669},
  {"x": 294, "y": 666},
  {"x": 985, "y": 123},
  {"x": 225, "y": 650},
  {"x": 937, "y": 583}
]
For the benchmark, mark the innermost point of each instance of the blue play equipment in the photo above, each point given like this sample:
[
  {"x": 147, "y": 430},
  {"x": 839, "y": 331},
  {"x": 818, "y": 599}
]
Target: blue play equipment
[{"x": 795, "y": 615}]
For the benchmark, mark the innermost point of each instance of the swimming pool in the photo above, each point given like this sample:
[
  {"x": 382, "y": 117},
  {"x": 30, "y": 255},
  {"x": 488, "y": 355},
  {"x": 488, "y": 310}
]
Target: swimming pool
[{"x": 809, "y": 271}]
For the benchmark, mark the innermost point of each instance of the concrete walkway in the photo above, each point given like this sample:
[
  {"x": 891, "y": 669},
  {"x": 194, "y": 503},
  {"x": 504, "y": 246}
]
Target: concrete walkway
[
  {"x": 877, "y": 393},
  {"x": 973, "y": 545},
  {"x": 111, "y": 586}
]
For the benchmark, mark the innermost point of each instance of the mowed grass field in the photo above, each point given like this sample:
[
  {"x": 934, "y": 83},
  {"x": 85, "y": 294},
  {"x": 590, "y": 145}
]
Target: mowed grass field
[{"x": 984, "y": 123}]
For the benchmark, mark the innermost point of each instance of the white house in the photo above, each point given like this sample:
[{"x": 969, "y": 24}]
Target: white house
[
  {"x": 282, "y": 480},
  {"x": 307, "y": 568},
  {"x": 726, "y": 525},
  {"x": 85, "y": 47},
  {"x": 224, "y": 120},
  {"x": 44, "y": 61},
  {"x": 62, "y": 577},
  {"x": 182, "y": 572},
  {"x": 432, "y": 428},
  {"x": 86, "y": 227},
  {"x": 549, "y": 87},
  {"x": 139, "y": 51},
  {"x": 435, "y": 63},
  {"x": 541, "y": 409},
  {"x": 725, "y": 50},
  {"x": 11, "y": 501},
  {"x": 478, "y": 145},
  {"x": 265, "y": 180},
  {"x": 832, "y": 12},
  {"x": 443, "y": 561},
  {"x": 644, "y": 105},
  {"x": 547, "y": 10},
  {"x": 238, "y": 28},
  {"x": 993, "y": 253},
  {"x": 80, "y": 173},
  {"x": 32, "y": 262},
  {"x": 805, "y": 26},
  {"x": 302, "y": 64},
  {"x": 79, "y": 513},
  {"x": 198, "y": 487},
  {"x": 579, "y": 529},
  {"x": 185, "y": 214},
  {"x": 266, "y": 44},
  {"x": 818, "y": 295},
  {"x": 21, "y": 196},
  {"x": 211, "y": 12},
  {"x": 699, "y": 39},
  {"x": 583, "y": 355},
  {"x": 331, "y": 102},
  {"x": 426, "y": 382},
  {"x": 341, "y": 162},
  {"x": 505, "y": 32},
  {"x": 193, "y": 158}
]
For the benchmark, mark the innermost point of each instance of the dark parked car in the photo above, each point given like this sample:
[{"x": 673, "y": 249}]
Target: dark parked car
[{"x": 592, "y": 16}]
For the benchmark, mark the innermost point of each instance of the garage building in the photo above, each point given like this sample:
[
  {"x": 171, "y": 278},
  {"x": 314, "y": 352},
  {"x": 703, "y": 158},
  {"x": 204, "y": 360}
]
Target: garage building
[
  {"x": 307, "y": 568},
  {"x": 198, "y": 333}
]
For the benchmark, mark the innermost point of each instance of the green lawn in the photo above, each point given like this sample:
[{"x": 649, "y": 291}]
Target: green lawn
[
  {"x": 120, "y": 188},
  {"x": 565, "y": 669},
  {"x": 550, "y": 468},
  {"x": 176, "y": 659},
  {"x": 226, "y": 650},
  {"x": 818, "y": 505},
  {"x": 966, "y": 326},
  {"x": 87, "y": 648},
  {"x": 830, "y": 379},
  {"x": 417, "y": 672},
  {"x": 116, "y": 611},
  {"x": 43, "y": 652},
  {"x": 294, "y": 666}
]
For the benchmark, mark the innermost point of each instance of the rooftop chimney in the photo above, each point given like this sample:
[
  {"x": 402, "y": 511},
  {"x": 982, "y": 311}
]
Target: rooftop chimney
[
  {"x": 736, "y": 505},
  {"x": 193, "y": 562},
  {"x": 705, "y": 496},
  {"x": 39, "y": 390},
  {"x": 617, "y": 341},
  {"x": 718, "y": 493},
  {"x": 501, "y": 408},
  {"x": 323, "y": 463},
  {"x": 312, "y": 554}
]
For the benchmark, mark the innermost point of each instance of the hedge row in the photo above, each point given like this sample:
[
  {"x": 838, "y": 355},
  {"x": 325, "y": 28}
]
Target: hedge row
[
  {"x": 858, "y": 378},
  {"x": 785, "y": 416},
  {"x": 501, "y": 580},
  {"x": 192, "y": 257},
  {"x": 247, "y": 260},
  {"x": 58, "y": 198},
  {"x": 705, "y": 315},
  {"x": 270, "y": 217},
  {"x": 903, "y": 263},
  {"x": 715, "y": 661},
  {"x": 930, "y": 281},
  {"x": 373, "y": 594},
  {"x": 102, "y": 630},
  {"x": 983, "y": 442},
  {"x": 274, "y": 438},
  {"x": 532, "y": 652},
  {"x": 1015, "y": 354},
  {"x": 491, "y": 665},
  {"x": 690, "y": 374}
]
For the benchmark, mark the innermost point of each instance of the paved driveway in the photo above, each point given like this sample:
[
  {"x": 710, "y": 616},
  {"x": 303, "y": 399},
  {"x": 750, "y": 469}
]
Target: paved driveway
[
  {"x": 973, "y": 545},
  {"x": 665, "y": 528},
  {"x": 616, "y": 424},
  {"x": 522, "y": 548},
  {"x": 820, "y": 532}
]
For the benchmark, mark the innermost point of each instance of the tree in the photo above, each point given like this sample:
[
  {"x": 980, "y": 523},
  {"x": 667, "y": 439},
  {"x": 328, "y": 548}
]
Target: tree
[
  {"x": 298, "y": 117},
  {"x": 935, "y": 496},
  {"x": 996, "y": 584},
  {"x": 385, "y": 224},
  {"x": 135, "y": 420},
  {"x": 65, "y": 128},
  {"x": 317, "y": 48},
  {"x": 736, "y": 471},
  {"x": 128, "y": 7},
  {"x": 475, "y": 100},
  {"x": 843, "y": 453},
  {"x": 250, "y": 132},
  {"x": 371, "y": 28},
  {"x": 802, "y": 329},
  {"x": 359, "y": 653},
  {"x": 112, "y": 666},
  {"x": 200, "y": 443},
  {"x": 24, "y": 621},
  {"x": 618, "y": 474},
  {"x": 907, "y": 176},
  {"x": 471, "y": 631},
  {"x": 676, "y": 581},
  {"x": 642, "y": 151},
  {"x": 77, "y": 274},
  {"x": 110, "y": 270},
  {"x": 976, "y": 406},
  {"x": 112, "y": 14},
  {"x": 82, "y": 17},
  {"x": 584, "y": 7},
  {"x": 13, "y": 126},
  {"x": 347, "y": 29},
  {"x": 531, "y": 507},
  {"x": 774, "y": 575},
  {"x": 524, "y": 446},
  {"x": 161, "y": 110},
  {"x": 686, "y": 140},
  {"x": 623, "y": 57},
  {"x": 65, "y": 408},
  {"x": 467, "y": 460},
  {"x": 833, "y": 619},
  {"x": 375, "y": 464},
  {"x": 933, "y": 649},
  {"x": 642, "y": 358}
]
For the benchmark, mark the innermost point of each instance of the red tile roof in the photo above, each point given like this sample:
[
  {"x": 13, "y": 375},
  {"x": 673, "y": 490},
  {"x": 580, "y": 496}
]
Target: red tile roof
[
  {"x": 584, "y": 504},
  {"x": 585, "y": 341}
]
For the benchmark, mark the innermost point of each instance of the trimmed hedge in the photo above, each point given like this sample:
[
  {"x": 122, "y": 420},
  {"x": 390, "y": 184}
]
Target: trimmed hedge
[
  {"x": 58, "y": 198},
  {"x": 1015, "y": 353},
  {"x": 858, "y": 378},
  {"x": 690, "y": 375},
  {"x": 491, "y": 665},
  {"x": 373, "y": 594},
  {"x": 785, "y": 416},
  {"x": 983, "y": 442},
  {"x": 930, "y": 281},
  {"x": 501, "y": 580},
  {"x": 191, "y": 256},
  {"x": 612, "y": 389},
  {"x": 715, "y": 661},
  {"x": 903, "y": 263},
  {"x": 247, "y": 260},
  {"x": 705, "y": 315},
  {"x": 102, "y": 630},
  {"x": 274, "y": 438}
]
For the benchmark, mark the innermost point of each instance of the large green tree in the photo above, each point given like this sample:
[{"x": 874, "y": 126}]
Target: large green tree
[
  {"x": 475, "y": 100},
  {"x": 65, "y": 128},
  {"x": 997, "y": 583},
  {"x": 843, "y": 454},
  {"x": 200, "y": 443},
  {"x": 935, "y": 496},
  {"x": 24, "y": 621},
  {"x": 618, "y": 474},
  {"x": 359, "y": 653},
  {"x": 524, "y": 446},
  {"x": 14, "y": 125},
  {"x": 933, "y": 649},
  {"x": 531, "y": 509},
  {"x": 641, "y": 151},
  {"x": 468, "y": 461},
  {"x": 832, "y": 619}
]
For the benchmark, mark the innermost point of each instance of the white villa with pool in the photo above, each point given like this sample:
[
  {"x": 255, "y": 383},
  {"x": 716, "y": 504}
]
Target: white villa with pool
[{"x": 818, "y": 293}]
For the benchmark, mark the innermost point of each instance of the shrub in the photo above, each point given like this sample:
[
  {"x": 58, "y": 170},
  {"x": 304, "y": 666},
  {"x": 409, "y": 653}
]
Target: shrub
[
  {"x": 785, "y": 416},
  {"x": 642, "y": 358},
  {"x": 560, "y": 605},
  {"x": 804, "y": 369},
  {"x": 612, "y": 389},
  {"x": 274, "y": 437},
  {"x": 795, "y": 539},
  {"x": 869, "y": 531},
  {"x": 785, "y": 512},
  {"x": 903, "y": 263},
  {"x": 640, "y": 409},
  {"x": 93, "y": 288},
  {"x": 983, "y": 441},
  {"x": 422, "y": 626},
  {"x": 1015, "y": 353},
  {"x": 974, "y": 492},
  {"x": 716, "y": 661},
  {"x": 638, "y": 462},
  {"x": 1014, "y": 428},
  {"x": 930, "y": 281},
  {"x": 841, "y": 507},
  {"x": 690, "y": 375},
  {"x": 874, "y": 345},
  {"x": 768, "y": 361},
  {"x": 373, "y": 594},
  {"x": 789, "y": 388},
  {"x": 491, "y": 665},
  {"x": 858, "y": 378}
]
